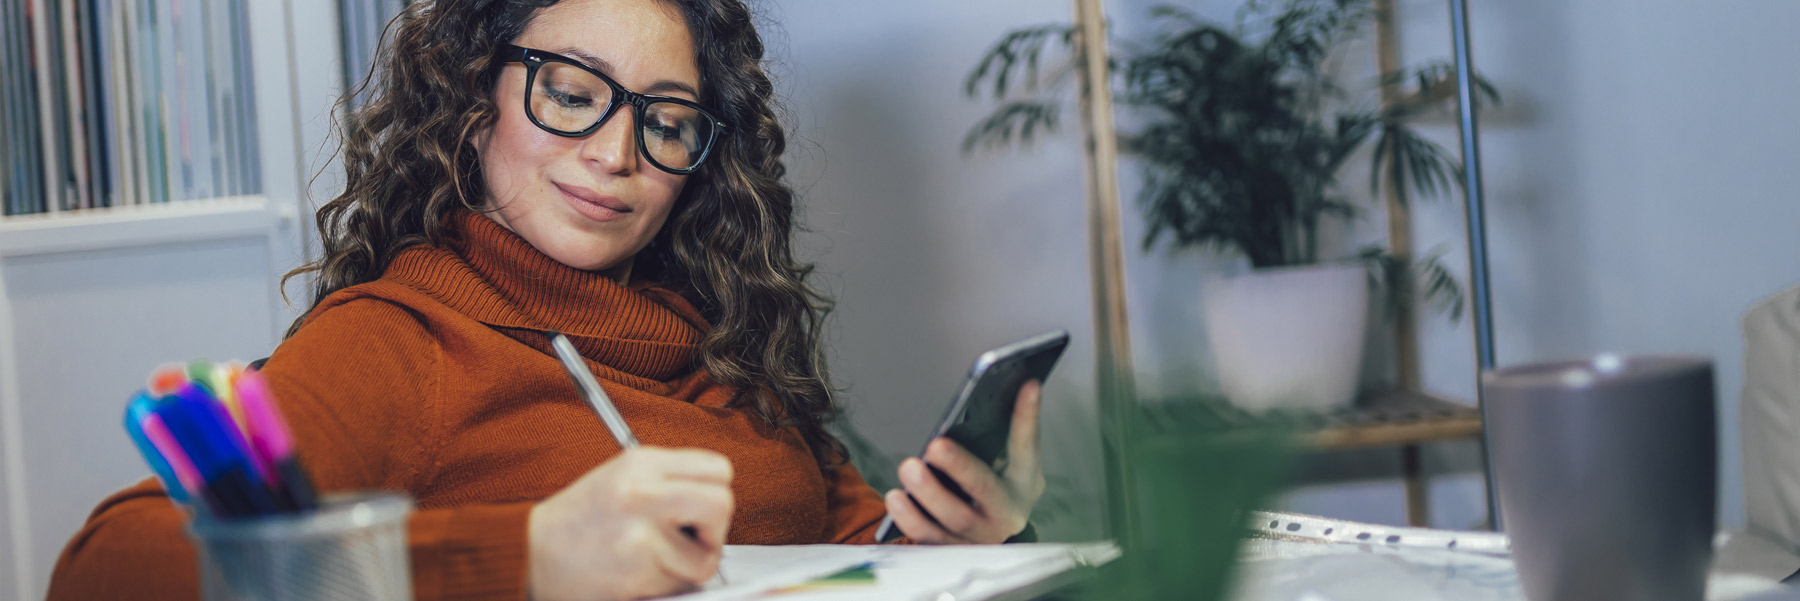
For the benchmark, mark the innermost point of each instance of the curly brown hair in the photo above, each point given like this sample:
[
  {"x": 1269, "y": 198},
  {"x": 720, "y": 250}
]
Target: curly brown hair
[{"x": 727, "y": 246}]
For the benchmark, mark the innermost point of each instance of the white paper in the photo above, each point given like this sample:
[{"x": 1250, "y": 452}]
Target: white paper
[{"x": 902, "y": 572}]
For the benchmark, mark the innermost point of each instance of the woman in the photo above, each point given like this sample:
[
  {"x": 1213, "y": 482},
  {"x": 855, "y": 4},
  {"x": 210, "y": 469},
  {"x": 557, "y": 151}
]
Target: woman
[{"x": 609, "y": 169}]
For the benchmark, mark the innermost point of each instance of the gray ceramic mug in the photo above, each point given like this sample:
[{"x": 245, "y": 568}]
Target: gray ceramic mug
[{"x": 1607, "y": 475}]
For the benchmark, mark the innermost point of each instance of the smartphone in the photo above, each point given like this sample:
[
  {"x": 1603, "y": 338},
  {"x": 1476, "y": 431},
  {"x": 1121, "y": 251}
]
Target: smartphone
[{"x": 980, "y": 417}]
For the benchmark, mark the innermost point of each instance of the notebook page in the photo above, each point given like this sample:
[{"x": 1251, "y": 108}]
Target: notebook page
[{"x": 902, "y": 572}]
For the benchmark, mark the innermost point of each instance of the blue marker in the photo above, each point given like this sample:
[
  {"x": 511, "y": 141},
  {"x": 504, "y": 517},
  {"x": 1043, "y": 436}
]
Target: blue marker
[
  {"x": 140, "y": 407},
  {"x": 217, "y": 450}
]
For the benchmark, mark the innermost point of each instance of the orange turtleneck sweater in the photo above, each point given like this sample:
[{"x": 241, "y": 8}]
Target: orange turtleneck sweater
[{"x": 437, "y": 380}]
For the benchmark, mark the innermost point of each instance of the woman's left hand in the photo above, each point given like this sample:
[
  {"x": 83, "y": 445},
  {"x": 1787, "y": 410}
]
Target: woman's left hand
[{"x": 1000, "y": 503}]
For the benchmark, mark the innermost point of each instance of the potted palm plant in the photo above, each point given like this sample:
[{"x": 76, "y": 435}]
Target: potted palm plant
[{"x": 1243, "y": 134}]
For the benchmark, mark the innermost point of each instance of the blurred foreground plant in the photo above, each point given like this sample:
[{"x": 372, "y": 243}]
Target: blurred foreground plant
[{"x": 1195, "y": 483}]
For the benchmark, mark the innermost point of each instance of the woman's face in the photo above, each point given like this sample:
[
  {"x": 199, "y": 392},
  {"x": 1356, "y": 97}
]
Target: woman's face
[{"x": 590, "y": 203}]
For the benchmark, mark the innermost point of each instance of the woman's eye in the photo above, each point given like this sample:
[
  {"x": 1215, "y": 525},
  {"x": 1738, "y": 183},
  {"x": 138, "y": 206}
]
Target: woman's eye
[
  {"x": 666, "y": 131},
  {"x": 568, "y": 100}
]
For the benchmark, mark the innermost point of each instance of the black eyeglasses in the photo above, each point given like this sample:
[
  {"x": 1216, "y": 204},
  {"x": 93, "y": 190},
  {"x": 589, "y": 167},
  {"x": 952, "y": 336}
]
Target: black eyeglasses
[{"x": 570, "y": 99}]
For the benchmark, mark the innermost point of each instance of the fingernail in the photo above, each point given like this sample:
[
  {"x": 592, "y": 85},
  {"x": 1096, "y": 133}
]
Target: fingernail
[{"x": 910, "y": 471}]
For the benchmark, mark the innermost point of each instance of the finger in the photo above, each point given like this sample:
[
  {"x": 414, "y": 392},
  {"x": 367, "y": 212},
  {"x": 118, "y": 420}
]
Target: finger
[
  {"x": 685, "y": 464},
  {"x": 951, "y": 512},
  {"x": 913, "y": 523},
  {"x": 1024, "y": 467},
  {"x": 970, "y": 472},
  {"x": 683, "y": 560},
  {"x": 1023, "y": 441},
  {"x": 706, "y": 508}
]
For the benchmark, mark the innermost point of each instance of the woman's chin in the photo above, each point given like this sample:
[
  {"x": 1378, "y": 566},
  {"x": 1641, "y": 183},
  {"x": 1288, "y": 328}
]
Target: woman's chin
[{"x": 588, "y": 261}]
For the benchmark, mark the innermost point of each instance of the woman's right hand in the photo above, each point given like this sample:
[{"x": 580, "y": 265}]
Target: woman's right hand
[{"x": 617, "y": 532}]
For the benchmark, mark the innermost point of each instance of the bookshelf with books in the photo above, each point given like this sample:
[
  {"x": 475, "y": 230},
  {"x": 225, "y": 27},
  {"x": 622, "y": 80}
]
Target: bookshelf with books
[
  {"x": 136, "y": 102},
  {"x": 156, "y": 110}
]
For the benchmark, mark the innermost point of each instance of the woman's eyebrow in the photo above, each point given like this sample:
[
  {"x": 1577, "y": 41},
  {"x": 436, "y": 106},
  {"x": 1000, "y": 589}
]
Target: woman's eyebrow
[
  {"x": 668, "y": 85},
  {"x": 599, "y": 64}
]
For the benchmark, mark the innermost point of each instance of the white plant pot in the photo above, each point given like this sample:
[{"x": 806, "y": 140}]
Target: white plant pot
[{"x": 1288, "y": 337}]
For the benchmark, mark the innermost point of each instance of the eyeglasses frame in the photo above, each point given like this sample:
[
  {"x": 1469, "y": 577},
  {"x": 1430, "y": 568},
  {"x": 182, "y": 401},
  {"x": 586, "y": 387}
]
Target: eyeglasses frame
[{"x": 534, "y": 58}]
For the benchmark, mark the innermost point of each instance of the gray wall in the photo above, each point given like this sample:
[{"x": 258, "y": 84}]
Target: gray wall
[
  {"x": 934, "y": 257},
  {"x": 1642, "y": 182},
  {"x": 1639, "y": 183}
]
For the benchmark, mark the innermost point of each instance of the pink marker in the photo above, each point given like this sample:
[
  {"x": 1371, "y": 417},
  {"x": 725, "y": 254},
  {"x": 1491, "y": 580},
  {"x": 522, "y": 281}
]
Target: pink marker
[{"x": 271, "y": 443}]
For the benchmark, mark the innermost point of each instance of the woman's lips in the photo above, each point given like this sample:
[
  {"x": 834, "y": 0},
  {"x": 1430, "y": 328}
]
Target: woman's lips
[{"x": 592, "y": 205}]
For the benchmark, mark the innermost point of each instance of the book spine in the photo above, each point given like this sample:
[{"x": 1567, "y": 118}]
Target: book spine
[
  {"x": 49, "y": 102},
  {"x": 97, "y": 95},
  {"x": 193, "y": 90},
  {"x": 220, "y": 86},
  {"x": 131, "y": 45},
  {"x": 123, "y": 139},
  {"x": 151, "y": 101},
  {"x": 168, "y": 112},
  {"x": 16, "y": 96},
  {"x": 246, "y": 99},
  {"x": 78, "y": 173}
]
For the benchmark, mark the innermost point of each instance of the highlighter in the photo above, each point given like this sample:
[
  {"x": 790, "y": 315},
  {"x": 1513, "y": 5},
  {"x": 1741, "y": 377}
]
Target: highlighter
[
  {"x": 218, "y": 380},
  {"x": 271, "y": 441},
  {"x": 198, "y": 369},
  {"x": 218, "y": 451},
  {"x": 136, "y": 412},
  {"x": 167, "y": 379}
]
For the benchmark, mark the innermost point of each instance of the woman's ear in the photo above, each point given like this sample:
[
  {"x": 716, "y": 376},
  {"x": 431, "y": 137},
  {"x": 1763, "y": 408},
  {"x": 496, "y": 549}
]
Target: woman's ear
[{"x": 479, "y": 138}]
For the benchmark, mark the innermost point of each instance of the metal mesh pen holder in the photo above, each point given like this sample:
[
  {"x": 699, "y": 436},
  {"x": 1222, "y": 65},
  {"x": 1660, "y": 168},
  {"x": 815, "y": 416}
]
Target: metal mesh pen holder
[{"x": 352, "y": 548}]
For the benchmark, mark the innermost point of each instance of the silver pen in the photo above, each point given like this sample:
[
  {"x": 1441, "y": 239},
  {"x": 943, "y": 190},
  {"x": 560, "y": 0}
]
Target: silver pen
[
  {"x": 590, "y": 390},
  {"x": 603, "y": 405}
]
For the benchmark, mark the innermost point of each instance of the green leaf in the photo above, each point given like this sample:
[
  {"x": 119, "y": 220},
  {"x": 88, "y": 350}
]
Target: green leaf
[
  {"x": 1410, "y": 163},
  {"x": 1019, "y": 50},
  {"x": 1016, "y": 122},
  {"x": 1441, "y": 290}
]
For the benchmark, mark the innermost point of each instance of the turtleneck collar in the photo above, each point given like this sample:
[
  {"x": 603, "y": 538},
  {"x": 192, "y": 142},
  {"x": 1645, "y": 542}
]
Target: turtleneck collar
[{"x": 495, "y": 277}]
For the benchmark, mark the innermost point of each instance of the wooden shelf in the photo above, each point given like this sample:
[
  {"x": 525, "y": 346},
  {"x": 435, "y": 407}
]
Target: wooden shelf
[
  {"x": 1382, "y": 418},
  {"x": 1388, "y": 418}
]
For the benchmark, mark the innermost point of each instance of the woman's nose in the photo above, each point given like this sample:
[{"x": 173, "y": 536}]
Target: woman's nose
[{"x": 613, "y": 147}]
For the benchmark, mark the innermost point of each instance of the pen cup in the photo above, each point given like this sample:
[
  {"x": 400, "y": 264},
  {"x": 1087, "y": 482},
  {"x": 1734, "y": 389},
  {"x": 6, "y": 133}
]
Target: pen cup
[{"x": 352, "y": 547}]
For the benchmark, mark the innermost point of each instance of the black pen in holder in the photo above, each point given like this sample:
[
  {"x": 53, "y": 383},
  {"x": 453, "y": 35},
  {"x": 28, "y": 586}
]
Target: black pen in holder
[{"x": 351, "y": 547}]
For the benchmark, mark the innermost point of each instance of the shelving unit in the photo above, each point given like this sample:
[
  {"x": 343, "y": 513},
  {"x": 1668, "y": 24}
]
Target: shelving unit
[
  {"x": 1377, "y": 419},
  {"x": 142, "y": 225},
  {"x": 92, "y": 299}
]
